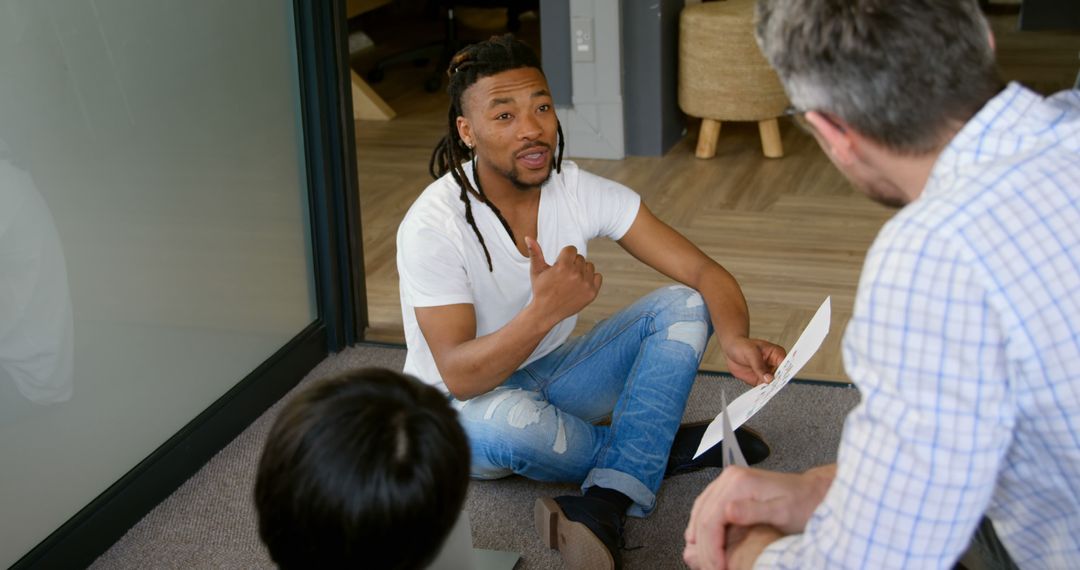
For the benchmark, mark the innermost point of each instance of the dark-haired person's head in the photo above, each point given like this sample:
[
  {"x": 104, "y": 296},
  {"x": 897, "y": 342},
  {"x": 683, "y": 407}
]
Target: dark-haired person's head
[
  {"x": 515, "y": 138},
  {"x": 905, "y": 74},
  {"x": 365, "y": 470}
]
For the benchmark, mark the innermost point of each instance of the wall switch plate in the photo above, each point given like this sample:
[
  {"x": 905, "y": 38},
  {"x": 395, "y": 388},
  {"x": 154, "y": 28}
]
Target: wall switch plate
[{"x": 584, "y": 44}]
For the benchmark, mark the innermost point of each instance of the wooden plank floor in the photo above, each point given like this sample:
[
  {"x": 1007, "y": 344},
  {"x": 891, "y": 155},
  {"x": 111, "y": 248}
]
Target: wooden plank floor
[{"x": 791, "y": 230}]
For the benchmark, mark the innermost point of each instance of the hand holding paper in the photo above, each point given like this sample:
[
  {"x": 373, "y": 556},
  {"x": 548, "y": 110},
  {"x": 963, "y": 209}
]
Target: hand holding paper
[{"x": 754, "y": 399}]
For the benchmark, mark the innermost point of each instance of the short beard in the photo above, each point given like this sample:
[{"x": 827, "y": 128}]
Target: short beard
[{"x": 514, "y": 176}]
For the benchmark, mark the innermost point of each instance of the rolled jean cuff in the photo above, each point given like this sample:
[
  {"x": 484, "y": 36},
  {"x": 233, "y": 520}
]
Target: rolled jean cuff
[{"x": 644, "y": 499}]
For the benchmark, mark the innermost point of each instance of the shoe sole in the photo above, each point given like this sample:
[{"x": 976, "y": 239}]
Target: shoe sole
[{"x": 579, "y": 547}]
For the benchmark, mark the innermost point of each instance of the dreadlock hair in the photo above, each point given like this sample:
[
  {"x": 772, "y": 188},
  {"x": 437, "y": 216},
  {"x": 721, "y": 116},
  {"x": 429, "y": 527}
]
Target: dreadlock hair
[{"x": 474, "y": 62}]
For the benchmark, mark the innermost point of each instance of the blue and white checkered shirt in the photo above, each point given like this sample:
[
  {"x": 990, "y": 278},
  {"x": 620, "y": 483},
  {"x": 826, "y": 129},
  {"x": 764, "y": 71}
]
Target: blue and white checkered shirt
[{"x": 965, "y": 345}]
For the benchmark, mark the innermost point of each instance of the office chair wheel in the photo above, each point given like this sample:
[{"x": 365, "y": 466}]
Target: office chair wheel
[
  {"x": 432, "y": 84},
  {"x": 375, "y": 75}
]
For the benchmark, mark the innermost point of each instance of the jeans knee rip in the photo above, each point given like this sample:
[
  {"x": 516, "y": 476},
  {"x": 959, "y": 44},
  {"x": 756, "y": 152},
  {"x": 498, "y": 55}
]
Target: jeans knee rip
[
  {"x": 693, "y": 298},
  {"x": 524, "y": 413},
  {"x": 560, "y": 437},
  {"x": 691, "y": 333},
  {"x": 502, "y": 395}
]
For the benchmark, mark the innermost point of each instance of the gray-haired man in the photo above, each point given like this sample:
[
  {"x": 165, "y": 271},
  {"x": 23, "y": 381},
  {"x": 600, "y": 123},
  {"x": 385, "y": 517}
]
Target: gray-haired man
[{"x": 965, "y": 339}]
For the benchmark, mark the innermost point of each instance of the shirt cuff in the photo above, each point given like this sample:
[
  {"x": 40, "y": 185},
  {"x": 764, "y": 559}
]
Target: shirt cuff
[{"x": 771, "y": 556}]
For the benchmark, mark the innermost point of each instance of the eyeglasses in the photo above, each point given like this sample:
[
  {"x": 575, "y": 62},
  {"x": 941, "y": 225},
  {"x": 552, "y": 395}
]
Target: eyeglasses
[{"x": 799, "y": 116}]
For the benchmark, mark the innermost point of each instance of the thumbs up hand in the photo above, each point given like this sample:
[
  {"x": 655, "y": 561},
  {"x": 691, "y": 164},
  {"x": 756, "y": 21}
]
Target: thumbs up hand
[{"x": 565, "y": 288}]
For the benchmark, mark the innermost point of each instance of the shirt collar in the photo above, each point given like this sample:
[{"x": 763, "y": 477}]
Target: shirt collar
[{"x": 1002, "y": 127}]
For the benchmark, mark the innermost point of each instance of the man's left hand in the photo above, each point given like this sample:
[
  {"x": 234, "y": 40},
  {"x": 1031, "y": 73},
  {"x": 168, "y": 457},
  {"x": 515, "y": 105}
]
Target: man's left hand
[{"x": 752, "y": 360}]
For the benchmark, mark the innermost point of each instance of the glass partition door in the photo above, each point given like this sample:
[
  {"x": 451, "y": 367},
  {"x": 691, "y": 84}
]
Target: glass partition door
[{"x": 154, "y": 232}]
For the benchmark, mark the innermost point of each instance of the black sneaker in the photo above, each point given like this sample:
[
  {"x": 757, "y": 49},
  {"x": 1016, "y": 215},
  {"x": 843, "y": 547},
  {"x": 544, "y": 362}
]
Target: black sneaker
[
  {"x": 680, "y": 460},
  {"x": 587, "y": 532}
]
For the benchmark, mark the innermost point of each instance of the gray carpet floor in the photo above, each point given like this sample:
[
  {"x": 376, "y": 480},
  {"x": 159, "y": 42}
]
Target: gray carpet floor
[{"x": 209, "y": 522}]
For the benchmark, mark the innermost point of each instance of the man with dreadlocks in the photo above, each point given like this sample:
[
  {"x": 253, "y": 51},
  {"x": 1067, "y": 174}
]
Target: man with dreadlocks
[{"x": 487, "y": 318}]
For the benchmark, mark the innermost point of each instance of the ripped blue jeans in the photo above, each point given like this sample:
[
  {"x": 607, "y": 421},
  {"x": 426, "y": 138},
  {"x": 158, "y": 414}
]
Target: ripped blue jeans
[{"x": 635, "y": 368}]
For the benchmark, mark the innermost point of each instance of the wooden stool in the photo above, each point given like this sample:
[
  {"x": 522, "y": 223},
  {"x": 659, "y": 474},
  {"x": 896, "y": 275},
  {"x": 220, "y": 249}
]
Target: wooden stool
[{"x": 724, "y": 77}]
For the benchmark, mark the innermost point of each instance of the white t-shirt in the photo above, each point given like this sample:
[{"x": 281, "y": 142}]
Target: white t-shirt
[{"x": 440, "y": 260}]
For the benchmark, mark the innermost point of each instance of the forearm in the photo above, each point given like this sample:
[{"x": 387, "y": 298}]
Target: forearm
[
  {"x": 659, "y": 246},
  {"x": 480, "y": 365},
  {"x": 724, "y": 298}
]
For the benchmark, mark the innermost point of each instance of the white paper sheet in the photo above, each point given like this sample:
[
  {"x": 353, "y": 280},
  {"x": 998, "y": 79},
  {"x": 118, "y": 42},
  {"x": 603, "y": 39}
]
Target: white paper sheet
[
  {"x": 730, "y": 444},
  {"x": 754, "y": 399}
]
